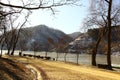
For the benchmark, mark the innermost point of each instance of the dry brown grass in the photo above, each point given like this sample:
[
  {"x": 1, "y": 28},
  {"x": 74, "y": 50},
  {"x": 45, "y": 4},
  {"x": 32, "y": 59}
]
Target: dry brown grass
[
  {"x": 11, "y": 70},
  {"x": 63, "y": 71},
  {"x": 55, "y": 70}
]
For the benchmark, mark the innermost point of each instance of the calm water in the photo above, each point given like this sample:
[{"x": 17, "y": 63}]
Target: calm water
[{"x": 83, "y": 58}]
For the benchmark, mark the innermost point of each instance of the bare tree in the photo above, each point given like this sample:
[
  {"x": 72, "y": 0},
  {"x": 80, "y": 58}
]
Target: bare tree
[
  {"x": 24, "y": 7},
  {"x": 17, "y": 34},
  {"x": 12, "y": 34},
  {"x": 103, "y": 15},
  {"x": 35, "y": 47},
  {"x": 109, "y": 23},
  {"x": 61, "y": 46},
  {"x": 22, "y": 41},
  {"x": 58, "y": 48},
  {"x": 2, "y": 27}
]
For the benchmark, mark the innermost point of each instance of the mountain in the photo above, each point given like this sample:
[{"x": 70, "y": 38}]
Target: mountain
[
  {"x": 41, "y": 36},
  {"x": 75, "y": 34}
]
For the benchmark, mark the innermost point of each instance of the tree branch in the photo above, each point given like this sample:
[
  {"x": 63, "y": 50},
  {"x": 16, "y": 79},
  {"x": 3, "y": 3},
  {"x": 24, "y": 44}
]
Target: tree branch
[
  {"x": 107, "y": 1},
  {"x": 40, "y": 6},
  {"x": 9, "y": 13},
  {"x": 117, "y": 12},
  {"x": 104, "y": 20}
]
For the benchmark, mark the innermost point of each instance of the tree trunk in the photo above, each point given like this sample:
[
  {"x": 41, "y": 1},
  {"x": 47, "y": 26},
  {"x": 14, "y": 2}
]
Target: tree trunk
[
  {"x": 8, "y": 47},
  {"x": 8, "y": 51},
  {"x": 15, "y": 37},
  {"x": 12, "y": 53},
  {"x": 109, "y": 35},
  {"x": 77, "y": 54},
  {"x": 1, "y": 49},
  {"x": 57, "y": 56},
  {"x": 45, "y": 53},
  {"x": 34, "y": 53},
  {"x": 65, "y": 57},
  {"x": 13, "y": 49},
  {"x": 94, "y": 52}
]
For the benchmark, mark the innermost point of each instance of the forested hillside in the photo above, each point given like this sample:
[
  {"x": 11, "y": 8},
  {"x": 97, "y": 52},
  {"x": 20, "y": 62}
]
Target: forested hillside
[
  {"x": 96, "y": 33},
  {"x": 41, "y": 37}
]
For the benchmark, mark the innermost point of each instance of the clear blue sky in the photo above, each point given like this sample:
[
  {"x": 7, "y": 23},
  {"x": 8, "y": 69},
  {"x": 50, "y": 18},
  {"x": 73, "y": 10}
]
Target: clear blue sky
[{"x": 68, "y": 19}]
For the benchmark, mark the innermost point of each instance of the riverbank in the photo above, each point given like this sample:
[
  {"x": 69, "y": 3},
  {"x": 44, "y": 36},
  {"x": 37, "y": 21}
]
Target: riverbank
[{"x": 57, "y": 70}]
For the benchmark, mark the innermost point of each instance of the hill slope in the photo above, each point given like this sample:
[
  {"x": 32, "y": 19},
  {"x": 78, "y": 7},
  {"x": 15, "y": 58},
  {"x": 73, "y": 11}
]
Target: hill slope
[
  {"x": 75, "y": 34},
  {"x": 41, "y": 36},
  {"x": 11, "y": 70}
]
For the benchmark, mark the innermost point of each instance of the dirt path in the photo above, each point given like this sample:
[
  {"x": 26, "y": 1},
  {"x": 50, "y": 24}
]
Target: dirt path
[
  {"x": 35, "y": 71},
  {"x": 66, "y": 71}
]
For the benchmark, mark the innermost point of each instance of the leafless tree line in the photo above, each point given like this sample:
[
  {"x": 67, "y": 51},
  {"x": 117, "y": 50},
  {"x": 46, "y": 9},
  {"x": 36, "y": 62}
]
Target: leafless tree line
[
  {"x": 103, "y": 14},
  {"x": 10, "y": 16}
]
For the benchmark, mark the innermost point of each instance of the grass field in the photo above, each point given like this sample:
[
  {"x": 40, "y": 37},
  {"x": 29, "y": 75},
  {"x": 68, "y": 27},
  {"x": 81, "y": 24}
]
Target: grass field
[{"x": 56, "y": 70}]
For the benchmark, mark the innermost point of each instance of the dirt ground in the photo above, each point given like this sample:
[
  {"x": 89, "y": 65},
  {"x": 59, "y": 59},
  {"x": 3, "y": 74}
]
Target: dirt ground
[{"x": 56, "y": 70}]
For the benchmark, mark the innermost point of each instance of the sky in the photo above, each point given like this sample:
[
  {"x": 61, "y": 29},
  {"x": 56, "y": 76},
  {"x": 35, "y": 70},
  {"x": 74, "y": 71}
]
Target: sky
[{"x": 67, "y": 18}]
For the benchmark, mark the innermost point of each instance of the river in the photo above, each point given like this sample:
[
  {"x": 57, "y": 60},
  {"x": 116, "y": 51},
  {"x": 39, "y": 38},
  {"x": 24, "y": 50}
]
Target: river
[{"x": 70, "y": 57}]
